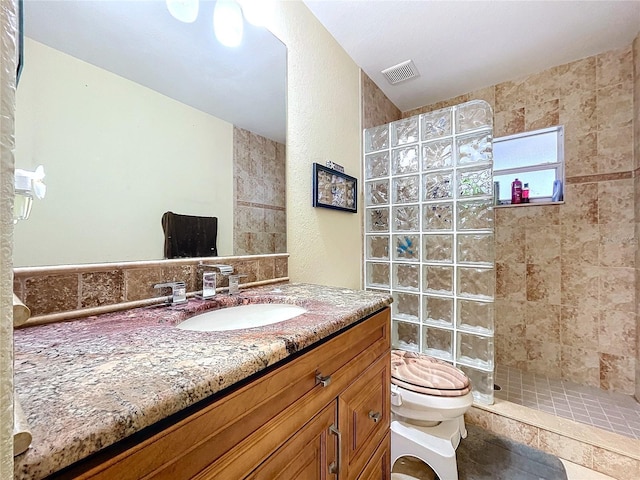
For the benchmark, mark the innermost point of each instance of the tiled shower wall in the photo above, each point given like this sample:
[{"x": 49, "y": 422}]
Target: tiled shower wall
[
  {"x": 259, "y": 194},
  {"x": 566, "y": 288},
  {"x": 377, "y": 109}
]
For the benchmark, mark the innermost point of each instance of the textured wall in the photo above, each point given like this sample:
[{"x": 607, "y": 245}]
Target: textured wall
[
  {"x": 7, "y": 98},
  {"x": 377, "y": 109},
  {"x": 323, "y": 123},
  {"x": 259, "y": 217},
  {"x": 565, "y": 296}
]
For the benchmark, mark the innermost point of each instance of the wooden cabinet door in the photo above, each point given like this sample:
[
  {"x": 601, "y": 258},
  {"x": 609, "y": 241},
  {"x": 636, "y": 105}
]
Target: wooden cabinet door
[
  {"x": 364, "y": 417},
  {"x": 308, "y": 455},
  {"x": 379, "y": 467}
]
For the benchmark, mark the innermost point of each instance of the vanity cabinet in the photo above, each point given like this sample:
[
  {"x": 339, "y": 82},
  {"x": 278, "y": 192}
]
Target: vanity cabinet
[{"x": 323, "y": 414}]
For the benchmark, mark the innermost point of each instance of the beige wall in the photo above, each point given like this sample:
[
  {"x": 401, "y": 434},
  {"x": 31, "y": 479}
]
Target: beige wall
[
  {"x": 565, "y": 299},
  {"x": 323, "y": 123},
  {"x": 260, "y": 218},
  {"x": 117, "y": 155},
  {"x": 7, "y": 92}
]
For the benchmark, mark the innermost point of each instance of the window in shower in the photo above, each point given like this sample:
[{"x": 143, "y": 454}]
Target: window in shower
[
  {"x": 535, "y": 158},
  {"x": 429, "y": 234}
]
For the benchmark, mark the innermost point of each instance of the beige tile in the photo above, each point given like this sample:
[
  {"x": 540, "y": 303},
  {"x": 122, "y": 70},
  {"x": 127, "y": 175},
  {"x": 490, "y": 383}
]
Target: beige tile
[
  {"x": 578, "y": 472},
  {"x": 517, "y": 431},
  {"x": 567, "y": 448},
  {"x": 578, "y": 76},
  {"x": 617, "y": 333},
  {"x": 614, "y": 106},
  {"x": 509, "y": 122},
  {"x": 542, "y": 115},
  {"x": 543, "y": 283},
  {"x": 488, "y": 94},
  {"x": 479, "y": 417},
  {"x": 580, "y": 243},
  {"x": 616, "y": 201},
  {"x": 580, "y": 154},
  {"x": 510, "y": 95},
  {"x": 617, "y": 245},
  {"x": 614, "y": 67},
  {"x": 617, "y": 289},
  {"x": 542, "y": 322},
  {"x": 510, "y": 244},
  {"x": 578, "y": 113},
  {"x": 544, "y": 358},
  {"x": 528, "y": 216},
  {"x": 580, "y": 284},
  {"x": 580, "y": 365},
  {"x": 579, "y": 326},
  {"x": 543, "y": 245},
  {"x": 617, "y": 373},
  {"x": 511, "y": 281},
  {"x": 618, "y": 466},
  {"x": 511, "y": 349},
  {"x": 581, "y": 204},
  {"x": 541, "y": 87},
  {"x": 615, "y": 149}
]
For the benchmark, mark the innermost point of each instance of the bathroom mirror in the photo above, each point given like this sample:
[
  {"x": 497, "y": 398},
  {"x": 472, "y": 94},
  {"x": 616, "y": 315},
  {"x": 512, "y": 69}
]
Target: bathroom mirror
[{"x": 133, "y": 113}]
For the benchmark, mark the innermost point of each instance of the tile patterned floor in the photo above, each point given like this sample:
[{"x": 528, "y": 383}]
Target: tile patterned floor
[{"x": 607, "y": 410}]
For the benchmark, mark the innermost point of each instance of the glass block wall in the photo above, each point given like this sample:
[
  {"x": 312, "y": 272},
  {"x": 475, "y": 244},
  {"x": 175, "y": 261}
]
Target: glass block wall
[{"x": 429, "y": 234}]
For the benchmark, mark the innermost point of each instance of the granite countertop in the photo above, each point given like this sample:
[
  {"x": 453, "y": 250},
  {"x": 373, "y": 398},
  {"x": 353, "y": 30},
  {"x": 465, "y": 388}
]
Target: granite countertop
[{"x": 89, "y": 383}]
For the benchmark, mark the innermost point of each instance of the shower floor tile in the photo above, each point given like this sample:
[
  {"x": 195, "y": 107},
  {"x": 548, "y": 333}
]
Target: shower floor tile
[{"x": 607, "y": 410}]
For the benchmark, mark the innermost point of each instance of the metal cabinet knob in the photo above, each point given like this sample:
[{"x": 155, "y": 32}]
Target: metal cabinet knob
[
  {"x": 324, "y": 381},
  {"x": 375, "y": 416}
]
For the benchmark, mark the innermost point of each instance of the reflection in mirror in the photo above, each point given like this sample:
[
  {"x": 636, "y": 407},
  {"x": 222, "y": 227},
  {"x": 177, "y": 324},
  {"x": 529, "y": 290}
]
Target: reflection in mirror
[{"x": 133, "y": 114}]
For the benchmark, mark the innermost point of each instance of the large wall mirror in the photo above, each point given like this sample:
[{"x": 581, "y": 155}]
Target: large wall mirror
[{"x": 133, "y": 113}]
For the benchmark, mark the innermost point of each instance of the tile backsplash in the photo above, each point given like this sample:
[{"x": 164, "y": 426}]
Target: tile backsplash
[{"x": 69, "y": 288}]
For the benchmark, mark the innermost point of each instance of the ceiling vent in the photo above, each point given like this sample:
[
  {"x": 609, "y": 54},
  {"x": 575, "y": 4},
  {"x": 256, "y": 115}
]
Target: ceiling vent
[{"x": 401, "y": 72}]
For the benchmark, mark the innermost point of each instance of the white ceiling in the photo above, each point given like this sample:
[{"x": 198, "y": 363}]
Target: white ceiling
[
  {"x": 141, "y": 41},
  {"x": 461, "y": 46}
]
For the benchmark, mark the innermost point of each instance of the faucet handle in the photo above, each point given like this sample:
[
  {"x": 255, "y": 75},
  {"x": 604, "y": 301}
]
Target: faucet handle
[
  {"x": 234, "y": 284},
  {"x": 178, "y": 291}
]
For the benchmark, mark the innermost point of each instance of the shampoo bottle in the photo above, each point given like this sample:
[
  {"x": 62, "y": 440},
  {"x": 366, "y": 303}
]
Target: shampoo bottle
[
  {"x": 525, "y": 193},
  {"x": 516, "y": 192}
]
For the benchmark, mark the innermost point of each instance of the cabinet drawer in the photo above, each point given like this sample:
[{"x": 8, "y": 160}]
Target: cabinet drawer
[{"x": 364, "y": 413}]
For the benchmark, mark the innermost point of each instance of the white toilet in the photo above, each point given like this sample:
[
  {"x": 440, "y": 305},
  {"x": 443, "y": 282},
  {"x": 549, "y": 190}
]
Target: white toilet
[{"x": 428, "y": 400}]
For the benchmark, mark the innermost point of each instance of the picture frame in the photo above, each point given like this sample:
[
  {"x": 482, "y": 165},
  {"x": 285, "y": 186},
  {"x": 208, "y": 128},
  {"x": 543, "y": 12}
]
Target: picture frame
[{"x": 334, "y": 189}]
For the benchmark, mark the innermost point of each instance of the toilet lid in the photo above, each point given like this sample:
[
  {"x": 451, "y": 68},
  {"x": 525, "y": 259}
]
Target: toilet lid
[{"x": 424, "y": 374}]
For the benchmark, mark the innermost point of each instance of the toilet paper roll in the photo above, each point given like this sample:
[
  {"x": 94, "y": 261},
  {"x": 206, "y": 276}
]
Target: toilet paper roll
[
  {"x": 21, "y": 312},
  {"x": 21, "y": 434}
]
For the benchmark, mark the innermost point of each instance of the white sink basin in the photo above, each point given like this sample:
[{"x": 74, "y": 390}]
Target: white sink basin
[{"x": 243, "y": 316}]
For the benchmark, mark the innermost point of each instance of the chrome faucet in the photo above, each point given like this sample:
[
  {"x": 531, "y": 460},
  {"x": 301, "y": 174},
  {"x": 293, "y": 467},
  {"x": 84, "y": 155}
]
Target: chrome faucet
[
  {"x": 178, "y": 292},
  {"x": 234, "y": 284},
  {"x": 209, "y": 279}
]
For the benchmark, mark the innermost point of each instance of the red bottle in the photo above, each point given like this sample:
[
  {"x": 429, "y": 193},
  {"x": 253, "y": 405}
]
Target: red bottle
[{"x": 516, "y": 192}]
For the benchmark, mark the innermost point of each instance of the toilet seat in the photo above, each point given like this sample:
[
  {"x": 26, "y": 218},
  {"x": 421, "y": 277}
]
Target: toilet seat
[{"x": 427, "y": 375}]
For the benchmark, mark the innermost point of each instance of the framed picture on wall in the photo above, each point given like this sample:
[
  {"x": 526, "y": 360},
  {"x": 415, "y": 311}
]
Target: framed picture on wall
[{"x": 333, "y": 189}]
